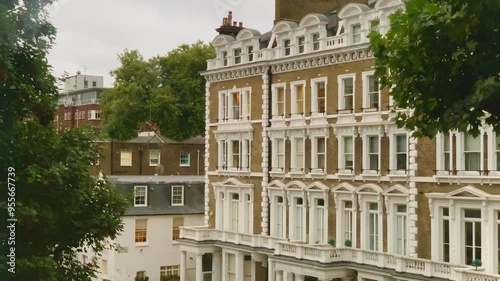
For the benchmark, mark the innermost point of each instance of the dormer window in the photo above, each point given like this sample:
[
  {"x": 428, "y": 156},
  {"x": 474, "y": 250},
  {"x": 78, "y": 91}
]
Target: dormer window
[
  {"x": 301, "y": 41},
  {"x": 356, "y": 33},
  {"x": 315, "y": 41},
  {"x": 250, "y": 53},
  {"x": 237, "y": 56},
  {"x": 224, "y": 58},
  {"x": 286, "y": 44}
]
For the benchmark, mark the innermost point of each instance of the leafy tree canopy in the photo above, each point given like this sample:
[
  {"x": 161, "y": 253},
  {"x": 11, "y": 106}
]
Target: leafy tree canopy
[
  {"x": 166, "y": 90},
  {"x": 442, "y": 60},
  {"x": 59, "y": 207}
]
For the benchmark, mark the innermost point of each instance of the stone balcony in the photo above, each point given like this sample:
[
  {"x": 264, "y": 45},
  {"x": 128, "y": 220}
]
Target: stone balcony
[{"x": 328, "y": 254}]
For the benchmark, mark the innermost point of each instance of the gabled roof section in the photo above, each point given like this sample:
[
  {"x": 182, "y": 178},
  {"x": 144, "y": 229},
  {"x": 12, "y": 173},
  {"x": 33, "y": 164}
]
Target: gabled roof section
[
  {"x": 232, "y": 182},
  {"x": 387, "y": 3},
  {"x": 296, "y": 185},
  {"x": 248, "y": 33},
  {"x": 397, "y": 190},
  {"x": 317, "y": 186},
  {"x": 352, "y": 9},
  {"x": 466, "y": 192},
  {"x": 194, "y": 140},
  {"x": 369, "y": 188},
  {"x": 220, "y": 40},
  {"x": 284, "y": 26},
  {"x": 313, "y": 19},
  {"x": 276, "y": 184},
  {"x": 344, "y": 187},
  {"x": 158, "y": 139}
]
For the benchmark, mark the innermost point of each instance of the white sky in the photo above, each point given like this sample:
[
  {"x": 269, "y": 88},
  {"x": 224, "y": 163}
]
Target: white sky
[{"x": 91, "y": 33}]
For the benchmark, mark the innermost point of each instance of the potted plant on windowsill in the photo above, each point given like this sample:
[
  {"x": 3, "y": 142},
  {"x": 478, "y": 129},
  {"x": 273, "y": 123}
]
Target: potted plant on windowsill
[
  {"x": 348, "y": 243},
  {"x": 477, "y": 263},
  {"x": 332, "y": 242}
]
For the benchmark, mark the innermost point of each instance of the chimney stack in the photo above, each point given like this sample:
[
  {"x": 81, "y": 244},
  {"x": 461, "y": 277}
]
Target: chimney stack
[{"x": 230, "y": 27}]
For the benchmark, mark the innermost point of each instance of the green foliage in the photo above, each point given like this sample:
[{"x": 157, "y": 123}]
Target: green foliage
[
  {"x": 348, "y": 243},
  {"x": 442, "y": 58},
  {"x": 477, "y": 263},
  {"x": 145, "y": 278},
  {"x": 167, "y": 90},
  {"x": 59, "y": 206},
  {"x": 331, "y": 242}
]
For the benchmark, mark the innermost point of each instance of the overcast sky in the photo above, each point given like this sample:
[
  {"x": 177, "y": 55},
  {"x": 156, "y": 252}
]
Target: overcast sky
[{"x": 91, "y": 33}]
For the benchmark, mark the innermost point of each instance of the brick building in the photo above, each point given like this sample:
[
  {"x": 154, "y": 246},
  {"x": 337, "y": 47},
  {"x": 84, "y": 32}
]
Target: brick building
[
  {"x": 79, "y": 102},
  {"x": 151, "y": 153},
  {"x": 307, "y": 177}
]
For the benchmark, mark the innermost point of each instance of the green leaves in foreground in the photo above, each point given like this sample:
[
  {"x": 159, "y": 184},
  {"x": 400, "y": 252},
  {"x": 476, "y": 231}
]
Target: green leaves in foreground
[{"x": 442, "y": 60}]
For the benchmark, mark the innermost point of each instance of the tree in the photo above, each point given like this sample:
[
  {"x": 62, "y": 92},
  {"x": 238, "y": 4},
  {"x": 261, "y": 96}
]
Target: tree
[
  {"x": 59, "y": 207},
  {"x": 442, "y": 60},
  {"x": 166, "y": 90}
]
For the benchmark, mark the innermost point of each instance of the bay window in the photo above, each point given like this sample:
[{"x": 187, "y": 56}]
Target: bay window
[{"x": 472, "y": 235}]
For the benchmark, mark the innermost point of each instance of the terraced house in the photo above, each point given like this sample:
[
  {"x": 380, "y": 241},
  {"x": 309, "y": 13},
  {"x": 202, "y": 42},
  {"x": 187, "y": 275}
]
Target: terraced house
[{"x": 307, "y": 178}]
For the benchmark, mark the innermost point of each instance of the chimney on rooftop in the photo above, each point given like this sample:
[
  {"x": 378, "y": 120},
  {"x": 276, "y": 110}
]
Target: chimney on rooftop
[{"x": 229, "y": 27}]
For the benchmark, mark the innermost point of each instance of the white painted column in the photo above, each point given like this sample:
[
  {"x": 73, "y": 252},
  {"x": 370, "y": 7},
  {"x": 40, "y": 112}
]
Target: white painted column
[
  {"x": 265, "y": 151},
  {"x": 224, "y": 267},
  {"x": 239, "y": 270},
  {"x": 199, "y": 268},
  {"x": 270, "y": 270},
  {"x": 412, "y": 202},
  {"x": 253, "y": 270},
  {"x": 207, "y": 153},
  {"x": 183, "y": 266},
  {"x": 217, "y": 266}
]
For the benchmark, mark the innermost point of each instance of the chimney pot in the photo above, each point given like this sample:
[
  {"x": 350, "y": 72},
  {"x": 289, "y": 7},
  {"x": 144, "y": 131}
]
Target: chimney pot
[
  {"x": 235, "y": 23},
  {"x": 241, "y": 24},
  {"x": 230, "y": 17}
]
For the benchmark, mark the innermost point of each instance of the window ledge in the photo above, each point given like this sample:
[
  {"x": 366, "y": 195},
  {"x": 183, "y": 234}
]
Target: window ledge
[
  {"x": 184, "y": 165},
  {"x": 345, "y": 111},
  {"x": 278, "y": 172},
  {"x": 370, "y": 174},
  {"x": 345, "y": 174},
  {"x": 397, "y": 175},
  {"x": 141, "y": 244},
  {"x": 234, "y": 172}
]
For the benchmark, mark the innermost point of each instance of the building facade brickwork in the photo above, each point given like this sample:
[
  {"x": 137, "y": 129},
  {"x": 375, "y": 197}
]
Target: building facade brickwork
[{"x": 308, "y": 178}]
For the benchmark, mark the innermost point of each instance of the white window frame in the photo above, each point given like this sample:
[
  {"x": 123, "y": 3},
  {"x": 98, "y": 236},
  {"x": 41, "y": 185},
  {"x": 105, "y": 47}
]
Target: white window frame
[
  {"x": 392, "y": 200},
  {"x": 237, "y": 56},
  {"x": 294, "y": 154},
  {"x": 341, "y": 91},
  {"x": 367, "y": 153},
  {"x": 318, "y": 236},
  {"x": 287, "y": 48},
  {"x": 457, "y": 201},
  {"x": 224, "y": 204},
  {"x": 315, "y": 42},
  {"x": 314, "y": 98},
  {"x": 493, "y": 151},
  {"x": 246, "y": 104},
  {"x": 185, "y": 164},
  {"x": 366, "y": 91},
  {"x": 355, "y": 37},
  {"x": 365, "y": 198},
  {"x": 315, "y": 152},
  {"x": 136, "y": 190},
  {"x": 295, "y": 234},
  {"x": 392, "y": 152},
  {"x": 441, "y": 141},
  {"x": 276, "y": 230},
  {"x": 460, "y": 155},
  {"x": 152, "y": 152},
  {"x": 275, "y": 108},
  {"x": 223, "y": 107},
  {"x": 223, "y": 155},
  {"x": 341, "y": 164},
  {"x": 172, "y": 188},
  {"x": 277, "y": 155},
  {"x": 231, "y": 107},
  {"x": 294, "y": 110},
  {"x": 342, "y": 193},
  {"x": 234, "y": 221},
  {"x": 124, "y": 163},
  {"x": 301, "y": 44}
]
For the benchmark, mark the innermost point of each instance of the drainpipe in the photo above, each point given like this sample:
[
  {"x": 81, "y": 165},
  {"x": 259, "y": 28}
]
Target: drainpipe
[{"x": 198, "y": 162}]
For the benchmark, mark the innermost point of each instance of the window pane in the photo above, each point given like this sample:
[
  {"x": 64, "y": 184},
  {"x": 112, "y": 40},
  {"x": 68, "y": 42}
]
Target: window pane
[
  {"x": 472, "y": 213},
  {"x": 321, "y": 145},
  {"x": 471, "y": 143},
  {"x": 373, "y": 144},
  {"x": 401, "y": 143}
]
